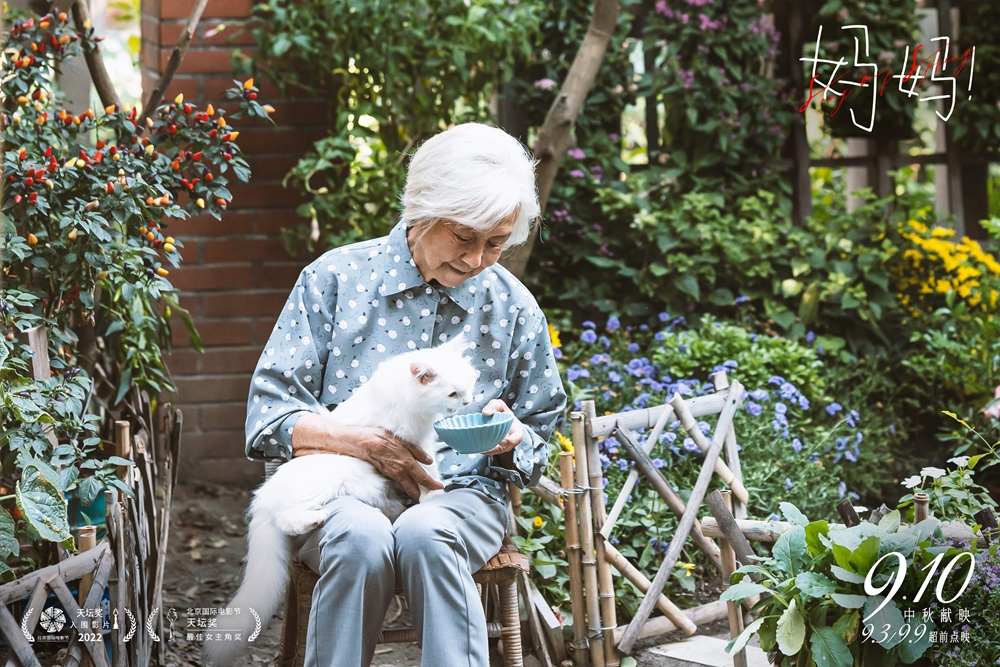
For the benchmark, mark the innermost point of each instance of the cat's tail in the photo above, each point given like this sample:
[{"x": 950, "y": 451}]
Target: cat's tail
[{"x": 264, "y": 581}]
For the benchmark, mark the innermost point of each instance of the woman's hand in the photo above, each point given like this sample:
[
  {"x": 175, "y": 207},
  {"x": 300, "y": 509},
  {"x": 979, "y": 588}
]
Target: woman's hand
[
  {"x": 396, "y": 459},
  {"x": 514, "y": 435}
]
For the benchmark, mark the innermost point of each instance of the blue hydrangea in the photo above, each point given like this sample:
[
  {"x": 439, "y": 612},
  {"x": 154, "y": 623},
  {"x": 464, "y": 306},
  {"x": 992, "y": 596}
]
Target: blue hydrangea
[
  {"x": 633, "y": 347},
  {"x": 780, "y": 408},
  {"x": 613, "y": 376},
  {"x": 754, "y": 408},
  {"x": 776, "y": 380},
  {"x": 803, "y": 402},
  {"x": 788, "y": 391},
  {"x": 658, "y": 336},
  {"x": 759, "y": 395},
  {"x": 834, "y": 408},
  {"x": 664, "y": 317},
  {"x": 613, "y": 323},
  {"x": 589, "y": 337}
]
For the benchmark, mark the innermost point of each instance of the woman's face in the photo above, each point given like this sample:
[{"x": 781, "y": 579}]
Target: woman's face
[{"x": 451, "y": 253}]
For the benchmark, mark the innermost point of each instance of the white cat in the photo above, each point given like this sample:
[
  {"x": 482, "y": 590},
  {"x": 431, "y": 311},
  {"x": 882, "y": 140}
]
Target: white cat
[{"x": 405, "y": 395}]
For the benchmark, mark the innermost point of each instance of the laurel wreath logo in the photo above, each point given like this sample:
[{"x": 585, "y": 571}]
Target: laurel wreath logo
[
  {"x": 256, "y": 628},
  {"x": 149, "y": 624},
  {"x": 132, "y": 629},
  {"x": 24, "y": 625}
]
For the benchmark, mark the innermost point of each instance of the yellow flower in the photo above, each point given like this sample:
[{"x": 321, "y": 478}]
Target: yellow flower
[
  {"x": 538, "y": 523},
  {"x": 942, "y": 231},
  {"x": 554, "y": 336},
  {"x": 565, "y": 442},
  {"x": 687, "y": 567}
]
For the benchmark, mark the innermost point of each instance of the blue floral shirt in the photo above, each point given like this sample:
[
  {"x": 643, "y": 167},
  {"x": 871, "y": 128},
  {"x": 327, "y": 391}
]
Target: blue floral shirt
[{"x": 361, "y": 303}]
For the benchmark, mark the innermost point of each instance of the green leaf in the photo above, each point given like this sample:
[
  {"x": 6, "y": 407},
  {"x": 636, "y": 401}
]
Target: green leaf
[
  {"x": 793, "y": 515},
  {"x": 890, "y": 522},
  {"x": 809, "y": 306},
  {"x": 866, "y": 554},
  {"x": 791, "y": 629},
  {"x": 689, "y": 285},
  {"x": 829, "y": 649},
  {"x": 790, "y": 548},
  {"x": 88, "y": 490},
  {"x": 8, "y": 540},
  {"x": 849, "y": 601},
  {"x": 910, "y": 650},
  {"x": 813, "y": 532},
  {"x": 721, "y": 297},
  {"x": 814, "y": 585},
  {"x": 847, "y": 626},
  {"x": 42, "y": 506},
  {"x": 742, "y": 590},
  {"x": 846, "y": 575},
  {"x": 739, "y": 643},
  {"x": 887, "y": 621}
]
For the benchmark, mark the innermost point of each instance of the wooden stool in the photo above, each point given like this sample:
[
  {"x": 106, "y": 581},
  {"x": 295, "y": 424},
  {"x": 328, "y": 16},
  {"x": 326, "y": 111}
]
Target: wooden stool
[{"x": 501, "y": 571}]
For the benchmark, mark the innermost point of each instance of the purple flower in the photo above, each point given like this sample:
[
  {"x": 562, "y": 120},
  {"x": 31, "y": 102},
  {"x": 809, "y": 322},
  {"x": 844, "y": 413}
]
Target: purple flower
[
  {"x": 788, "y": 483},
  {"x": 588, "y": 324},
  {"x": 759, "y": 395},
  {"x": 664, "y": 317},
  {"x": 622, "y": 464},
  {"x": 842, "y": 489},
  {"x": 633, "y": 347},
  {"x": 557, "y": 353},
  {"x": 663, "y": 8},
  {"x": 776, "y": 379},
  {"x": 742, "y": 299},
  {"x": 613, "y": 376},
  {"x": 576, "y": 153},
  {"x": 613, "y": 323},
  {"x": 574, "y": 372},
  {"x": 797, "y": 445},
  {"x": 810, "y": 337},
  {"x": 659, "y": 463},
  {"x": 892, "y": 429},
  {"x": 753, "y": 408},
  {"x": 605, "y": 342},
  {"x": 589, "y": 336},
  {"x": 577, "y": 173},
  {"x": 834, "y": 408},
  {"x": 780, "y": 408},
  {"x": 545, "y": 84},
  {"x": 689, "y": 445}
]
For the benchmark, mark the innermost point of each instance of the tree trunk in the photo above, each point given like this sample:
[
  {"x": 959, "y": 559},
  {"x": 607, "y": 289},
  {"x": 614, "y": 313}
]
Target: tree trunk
[{"x": 553, "y": 138}]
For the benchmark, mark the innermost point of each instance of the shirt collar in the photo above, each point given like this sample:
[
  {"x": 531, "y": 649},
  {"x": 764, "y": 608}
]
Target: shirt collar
[{"x": 401, "y": 272}]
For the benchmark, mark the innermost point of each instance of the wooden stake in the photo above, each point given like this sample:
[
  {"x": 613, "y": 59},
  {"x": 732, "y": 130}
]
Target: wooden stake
[
  {"x": 591, "y": 590},
  {"x": 604, "y": 579},
  {"x": 686, "y": 523},
  {"x": 123, "y": 448},
  {"x": 663, "y": 603},
  {"x": 723, "y": 470},
  {"x": 86, "y": 540},
  {"x": 573, "y": 557},
  {"x": 921, "y": 506},
  {"x": 706, "y": 613},
  {"x": 674, "y": 502},
  {"x": 847, "y": 513},
  {"x": 728, "y": 567}
]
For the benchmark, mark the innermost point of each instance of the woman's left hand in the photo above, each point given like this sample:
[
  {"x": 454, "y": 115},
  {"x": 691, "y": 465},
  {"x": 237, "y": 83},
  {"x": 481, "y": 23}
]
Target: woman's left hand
[{"x": 514, "y": 435}]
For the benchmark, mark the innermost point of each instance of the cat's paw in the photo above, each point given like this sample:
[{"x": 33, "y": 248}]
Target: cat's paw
[{"x": 427, "y": 495}]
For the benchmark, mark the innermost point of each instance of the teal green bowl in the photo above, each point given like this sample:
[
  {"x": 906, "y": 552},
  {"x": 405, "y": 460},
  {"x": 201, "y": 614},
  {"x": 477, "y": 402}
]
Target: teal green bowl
[{"x": 473, "y": 433}]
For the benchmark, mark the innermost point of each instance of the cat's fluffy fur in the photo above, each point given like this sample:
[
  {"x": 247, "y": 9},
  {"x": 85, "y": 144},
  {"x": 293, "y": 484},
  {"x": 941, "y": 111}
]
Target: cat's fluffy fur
[{"x": 405, "y": 395}]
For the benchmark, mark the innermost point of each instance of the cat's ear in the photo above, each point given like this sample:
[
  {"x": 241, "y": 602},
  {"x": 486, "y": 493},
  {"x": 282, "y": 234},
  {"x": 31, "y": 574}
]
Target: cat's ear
[{"x": 423, "y": 373}]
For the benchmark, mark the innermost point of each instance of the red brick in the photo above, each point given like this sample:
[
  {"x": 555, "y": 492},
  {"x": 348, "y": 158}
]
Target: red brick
[
  {"x": 181, "y": 9},
  {"x": 265, "y": 195},
  {"x": 233, "y": 472},
  {"x": 182, "y": 362},
  {"x": 150, "y": 30},
  {"x": 212, "y": 278},
  {"x": 216, "y": 333},
  {"x": 295, "y": 141},
  {"x": 149, "y": 55},
  {"x": 239, "y": 251},
  {"x": 272, "y": 167},
  {"x": 279, "y": 276},
  {"x": 186, "y": 86},
  {"x": 212, "y": 389},
  {"x": 191, "y": 303},
  {"x": 223, "y": 417},
  {"x": 301, "y": 112},
  {"x": 232, "y": 222},
  {"x": 244, "y": 304},
  {"x": 200, "y": 60},
  {"x": 231, "y": 361},
  {"x": 228, "y": 444},
  {"x": 272, "y": 222}
]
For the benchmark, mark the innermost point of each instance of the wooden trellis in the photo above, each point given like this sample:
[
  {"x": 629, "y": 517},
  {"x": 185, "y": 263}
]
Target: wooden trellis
[
  {"x": 589, "y": 526},
  {"x": 129, "y": 561}
]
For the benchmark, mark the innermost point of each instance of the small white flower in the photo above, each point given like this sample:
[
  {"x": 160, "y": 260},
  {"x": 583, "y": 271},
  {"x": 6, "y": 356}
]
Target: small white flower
[
  {"x": 960, "y": 461},
  {"x": 911, "y": 482},
  {"x": 933, "y": 472}
]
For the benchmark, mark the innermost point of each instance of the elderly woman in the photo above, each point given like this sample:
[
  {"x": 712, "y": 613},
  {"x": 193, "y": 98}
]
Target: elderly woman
[{"x": 469, "y": 194}]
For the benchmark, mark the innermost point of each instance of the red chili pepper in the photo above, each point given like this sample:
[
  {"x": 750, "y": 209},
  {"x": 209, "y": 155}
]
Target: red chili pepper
[
  {"x": 17, "y": 199},
  {"x": 213, "y": 134},
  {"x": 28, "y": 182},
  {"x": 48, "y": 151},
  {"x": 173, "y": 129},
  {"x": 197, "y": 156},
  {"x": 113, "y": 150}
]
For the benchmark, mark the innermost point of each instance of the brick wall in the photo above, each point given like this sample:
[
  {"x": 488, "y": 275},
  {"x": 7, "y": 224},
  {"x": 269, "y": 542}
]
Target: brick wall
[{"x": 236, "y": 273}]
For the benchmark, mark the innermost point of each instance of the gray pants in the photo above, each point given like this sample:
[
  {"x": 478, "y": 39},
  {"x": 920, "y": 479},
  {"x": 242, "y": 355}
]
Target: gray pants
[{"x": 431, "y": 551}]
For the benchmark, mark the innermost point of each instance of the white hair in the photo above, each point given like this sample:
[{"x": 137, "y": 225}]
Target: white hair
[{"x": 475, "y": 175}]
